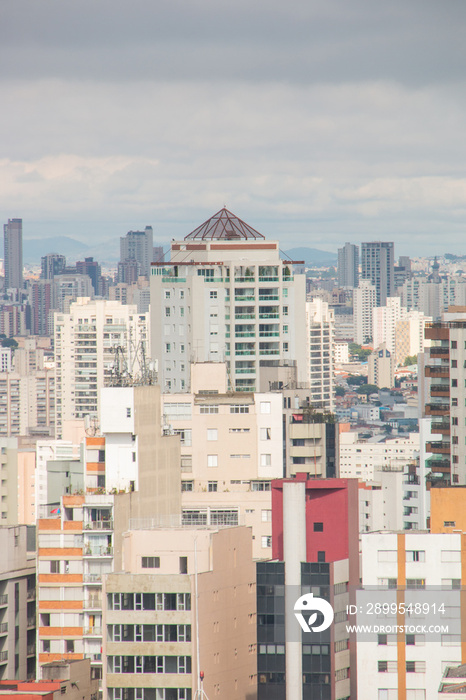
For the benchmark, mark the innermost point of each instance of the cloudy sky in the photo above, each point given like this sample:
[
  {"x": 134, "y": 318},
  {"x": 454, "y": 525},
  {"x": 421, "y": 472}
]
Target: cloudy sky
[{"x": 316, "y": 121}]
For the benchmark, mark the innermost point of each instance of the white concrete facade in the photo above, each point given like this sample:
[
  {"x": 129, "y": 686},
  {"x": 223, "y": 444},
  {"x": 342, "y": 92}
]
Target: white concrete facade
[{"x": 359, "y": 459}]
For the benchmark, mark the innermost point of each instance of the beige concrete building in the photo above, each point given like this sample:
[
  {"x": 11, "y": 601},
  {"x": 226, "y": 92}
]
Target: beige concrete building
[
  {"x": 150, "y": 645},
  {"x": 85, "y": 342},
  {"x": 17, "y": 470},
  {"x": 320, "y": 321},
  {"x": 17, "y": 604},
  {"x": 409, "y": 335},
  {"x": 381, "y": 367},
  {"x": 231, "y": 449}
]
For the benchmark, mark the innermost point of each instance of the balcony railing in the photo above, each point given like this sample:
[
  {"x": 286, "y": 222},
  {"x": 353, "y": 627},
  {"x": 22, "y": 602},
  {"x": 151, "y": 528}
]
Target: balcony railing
[
  {"x": 440, "y": 388},
  {"x": 437, "y": 445},
  {"x": 439, "y": 350},
  {"x": 437, "y": 407},
  {"x": 99, "y": 525},
  {"x": 93, "y": 604},
  {"x": 93, "y": 631},
  {"x": 92, "y": 578},
  {"x": 98, "y": 551},
  {"x": 437, "y": 370}
]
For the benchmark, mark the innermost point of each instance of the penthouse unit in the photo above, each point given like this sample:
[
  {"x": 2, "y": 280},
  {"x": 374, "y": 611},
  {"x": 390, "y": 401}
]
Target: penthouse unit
[
  {"x": 227, "y": 296},
  {"x": 17, "y": 603}
]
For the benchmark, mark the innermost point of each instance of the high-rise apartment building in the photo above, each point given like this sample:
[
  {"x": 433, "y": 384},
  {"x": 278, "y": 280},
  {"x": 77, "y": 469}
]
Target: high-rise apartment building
[
  {"x": 91, "y": 268},
  {"x": 227, "y": 295},
  {"x": 446, "y": 372},
  {"x": 138, "y": 245},
  {"x": 364, "y": 302},
  {"x": 308, "y": 556},
  {"x": 86, "y": 342},
  {"x": 378, "y": 266},
  {"x": 70, "y": 287},
  {"x": 52, "y": 264},
  {"x": 41, "y": 300},
  {"x": 348, "y": 266},
  {"x": 17, "y": 603},
  {"x": 13, "y": 253},
  {"x": 320, "y": 321}
]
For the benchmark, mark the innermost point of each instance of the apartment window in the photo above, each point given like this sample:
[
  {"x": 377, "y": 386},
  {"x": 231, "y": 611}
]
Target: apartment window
[
  {"x": 213, "y": 294},
  {"x": 285, "y": 311},
  {"x": 167, "y": 311},
  {"x": 54, "y": 567},
  {"x": 454, "y": 345},
  {"x": 454, "y": 421},
  {"x": 454, "y": 440},
  {"x": 265, "y": 407},
  {"x": 212, "y": 486},
  {"x": 266, "y": 541},
  {"x": 187, "y": 485},
  {"x": 128, "y": 413},
  {"x": 415, "y": 555},
  {"x": 382, "y": 640},
  {"x": 321, "y": 557},
  {"x": 386, "y": 666},
  {"x": 212, "y": 460},
  {"x": 415, "y": 667},
  {"x": 46, "y": 646},
  {"x": 454, "y": 402},
  {"x": 415, "y": 583},
  {"x": 266, "y": 460},
  {"x": 265, "y": 433},
  {"x": 183, "y": 565},
  {"x": 454, "y": 383},
  {"x": 239, "y": 408},
  {"x": 168, "y": 347},
  {"x": 449, "y": 523},
  {"x": 209, "y": 408},
  {"x": 266, "y": 516},
  {"x": 260, "y": 485},
  {"x": 318, "y": 527},
  {"x": 150, "y": 562},
  {"x": 212, "y": 434},
  {"x": 285, "y": 347},
  {"x": 69, "y": 646},
  {"x": 454, "y": 364}
]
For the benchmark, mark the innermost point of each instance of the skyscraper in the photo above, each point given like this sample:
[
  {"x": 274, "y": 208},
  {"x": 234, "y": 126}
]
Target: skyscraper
[
  {"x": 13, "y": 253},
  {"x": 378, "y": 266},
  {"x": 138, "y": 245},
  {"x": 348, "y": 265},
  {"x": 52, "y": 264}
]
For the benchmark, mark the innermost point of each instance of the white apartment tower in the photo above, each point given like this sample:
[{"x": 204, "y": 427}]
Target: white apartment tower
[
  {"x": 86, "y": 341},
  {"x": 364, "y": 301},
  {"x": 226, "y": 295},
  {"x": 320, "y": 322}
]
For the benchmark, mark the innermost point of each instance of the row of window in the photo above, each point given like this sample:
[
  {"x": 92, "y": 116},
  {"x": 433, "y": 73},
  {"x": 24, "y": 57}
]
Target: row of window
[
  {"x": 149, "y": 693},
  {"x": 418, "y": 555},
  {"x": 392, "y": 666},
  {"x": 149, "y": 664},
  {"x": 149, "y": 601},
  {"x": 149, "y": 633}
]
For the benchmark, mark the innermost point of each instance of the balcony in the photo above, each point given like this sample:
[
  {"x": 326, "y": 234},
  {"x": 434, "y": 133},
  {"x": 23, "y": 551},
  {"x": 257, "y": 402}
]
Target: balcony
[
  {"x": 93, "y": 604},
  {"x": 443, "y": 428},
  {"x": 439, "y": 465},
  {"x": 99, "y": 525},
  {"x": 92, "y": 631},
  {"x": 92, "y": 578},
  {"x": 439, "y": 350},
  {"x": 242, "y": 316},
  {"x": 437, "y": 409},
  {"x": 3, "y": 656},
  {"x": 98, "y": 552},
  {"x": 440, "y": 390},
  {"x": 438, "y": 447},
  {"x": 94, "y": 657},
  {"x": 4, "y": 628},
  {"x": 31, "y": 649},
  {"x": 31, "y": 594},
  {"x": 437, "y": 331},
  {"x": 31, "y": 621},
  {"x": 437, "y": 371},
  {"x": 3, "y": 599}
]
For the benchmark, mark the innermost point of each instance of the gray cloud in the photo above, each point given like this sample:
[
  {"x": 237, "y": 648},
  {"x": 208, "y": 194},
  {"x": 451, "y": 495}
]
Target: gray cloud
[{"x": 317, "y": 121}]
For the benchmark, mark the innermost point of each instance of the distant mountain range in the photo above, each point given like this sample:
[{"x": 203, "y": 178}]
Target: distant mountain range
[
  {"x": 313, "y": 256},
  {"x": 109, "y": 251}
]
